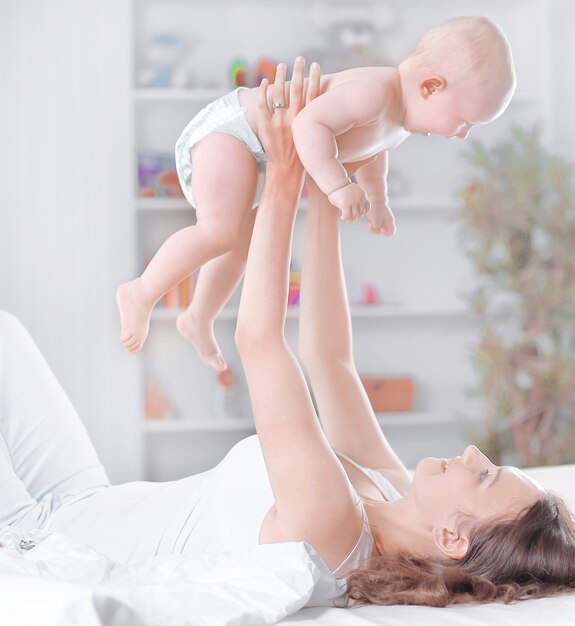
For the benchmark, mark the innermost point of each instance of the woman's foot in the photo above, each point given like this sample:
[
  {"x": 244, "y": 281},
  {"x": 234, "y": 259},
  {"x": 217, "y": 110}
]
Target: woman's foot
[
  {"x": 135, "y": 312},
  {"x": 201, "y": 336}
]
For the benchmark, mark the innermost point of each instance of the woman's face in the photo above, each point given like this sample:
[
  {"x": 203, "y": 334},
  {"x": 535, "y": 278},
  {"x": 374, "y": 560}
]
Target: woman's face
[{"x": 470, "y": 483}]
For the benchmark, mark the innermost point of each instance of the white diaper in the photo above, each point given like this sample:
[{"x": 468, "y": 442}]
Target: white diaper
[{"x": 224, "y": 115}]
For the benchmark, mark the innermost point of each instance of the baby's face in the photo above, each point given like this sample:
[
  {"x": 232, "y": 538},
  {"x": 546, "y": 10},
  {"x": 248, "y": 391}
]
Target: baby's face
[{"x": 453, "y": 112}]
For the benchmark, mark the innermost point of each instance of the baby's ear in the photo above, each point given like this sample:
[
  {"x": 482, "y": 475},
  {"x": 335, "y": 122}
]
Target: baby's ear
[
  {"x": 451, "y": 542},
  {"x": 431, "y": 84}
]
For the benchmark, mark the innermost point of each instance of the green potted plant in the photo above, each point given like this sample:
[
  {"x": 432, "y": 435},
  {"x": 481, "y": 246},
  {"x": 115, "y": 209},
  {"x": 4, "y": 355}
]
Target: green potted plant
[{"x": 518, "y": 229}]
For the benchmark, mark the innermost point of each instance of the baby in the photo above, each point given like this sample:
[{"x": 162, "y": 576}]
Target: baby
[{"x": 459, "y": 75}]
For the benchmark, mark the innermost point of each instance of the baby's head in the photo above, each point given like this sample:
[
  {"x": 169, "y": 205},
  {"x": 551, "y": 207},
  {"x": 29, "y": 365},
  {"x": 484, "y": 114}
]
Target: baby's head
[{"x": 459, "y": 75}]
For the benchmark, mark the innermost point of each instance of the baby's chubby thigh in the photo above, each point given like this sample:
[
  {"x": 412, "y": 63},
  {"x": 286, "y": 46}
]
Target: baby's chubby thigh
[{"x": 224, "y": 181}]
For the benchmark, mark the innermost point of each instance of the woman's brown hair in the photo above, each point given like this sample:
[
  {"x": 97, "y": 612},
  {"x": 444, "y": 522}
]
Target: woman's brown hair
[{"x": 529, "y": 556}]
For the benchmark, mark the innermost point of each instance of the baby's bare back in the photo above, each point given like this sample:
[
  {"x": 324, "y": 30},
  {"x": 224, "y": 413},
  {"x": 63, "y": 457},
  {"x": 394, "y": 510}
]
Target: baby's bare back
[{"x": 374, "y": 124}]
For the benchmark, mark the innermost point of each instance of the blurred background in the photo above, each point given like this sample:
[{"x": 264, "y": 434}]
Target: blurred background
[{"x": 94, "y": 95}]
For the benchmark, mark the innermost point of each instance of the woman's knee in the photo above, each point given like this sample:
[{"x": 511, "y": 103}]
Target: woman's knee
[{"x": 10, "y": 324}]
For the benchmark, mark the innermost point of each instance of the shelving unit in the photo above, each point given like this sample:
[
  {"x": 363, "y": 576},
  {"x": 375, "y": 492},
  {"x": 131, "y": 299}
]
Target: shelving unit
[
  {"x": 358, "y": 312},
  {"x": 427, "y": 334},
  {"x": 414, "y": 418}
]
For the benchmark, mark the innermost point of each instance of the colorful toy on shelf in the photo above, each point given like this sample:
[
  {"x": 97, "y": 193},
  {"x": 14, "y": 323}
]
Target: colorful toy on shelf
[
  {"x": 226, "y": 404},
  {"x": 156, "y": 404},
  {"x": 239, "y": 73},
  {"x": 180, "y": 296},
  {"x": 264, "y": 68},
  {"x": 242, "y": 75},
  {"x": 389, "y": 394},
  {"x": 157, "y": 176},
  {"x": 294, "y": 287},
  {"x": 370, "y": 295}
]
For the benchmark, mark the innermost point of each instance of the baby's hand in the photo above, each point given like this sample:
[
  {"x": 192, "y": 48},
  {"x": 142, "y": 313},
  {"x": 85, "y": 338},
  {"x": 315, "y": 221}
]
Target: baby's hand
[
  {"x": 351, "y": 200},
  {"x": 380, "y": 220}
]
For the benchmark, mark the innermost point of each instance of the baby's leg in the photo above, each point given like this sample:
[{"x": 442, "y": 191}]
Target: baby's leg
[
  {"x": 224, "y": 182},
  {"x": 216, "y": 283}
]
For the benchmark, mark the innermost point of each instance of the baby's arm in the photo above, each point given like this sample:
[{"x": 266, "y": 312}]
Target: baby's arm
[
  {"x": 356, "y": 103},
  {"x": 372, "y": 177}
]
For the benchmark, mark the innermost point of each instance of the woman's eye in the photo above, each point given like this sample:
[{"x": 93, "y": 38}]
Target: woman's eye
[{"x": 483, "y": 475}]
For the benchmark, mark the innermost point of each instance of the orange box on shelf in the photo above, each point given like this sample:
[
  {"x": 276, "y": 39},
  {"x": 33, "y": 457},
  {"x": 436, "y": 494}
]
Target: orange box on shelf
[{"x": 389, "y": 395}]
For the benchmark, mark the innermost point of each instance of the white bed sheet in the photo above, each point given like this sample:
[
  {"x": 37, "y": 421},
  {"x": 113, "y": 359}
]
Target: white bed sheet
[
  {"x": 558, "y": 611},
  {"x": 59, "y": 582}
]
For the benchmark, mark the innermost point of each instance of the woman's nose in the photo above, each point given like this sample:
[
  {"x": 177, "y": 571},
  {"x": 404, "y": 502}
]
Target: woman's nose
[{"x": 472, "y": 454}]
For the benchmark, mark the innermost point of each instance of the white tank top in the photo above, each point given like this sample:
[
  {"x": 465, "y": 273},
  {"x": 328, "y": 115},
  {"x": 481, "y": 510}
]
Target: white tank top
[{"x": 136, "y": 520}]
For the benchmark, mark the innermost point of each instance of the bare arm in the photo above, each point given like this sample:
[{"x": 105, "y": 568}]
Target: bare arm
[
  {"x": 373, "y": 178},
  {"x": 314, "y": 499},
  {"x": 315, "y": 128},
  {"x": 327, "y": 352},
  {"x": 353, "y": 104}
]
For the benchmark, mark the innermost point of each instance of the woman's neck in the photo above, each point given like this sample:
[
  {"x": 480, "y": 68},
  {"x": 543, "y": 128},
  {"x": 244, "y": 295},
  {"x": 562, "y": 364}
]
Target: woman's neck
[{"x": 397, "y": 528}]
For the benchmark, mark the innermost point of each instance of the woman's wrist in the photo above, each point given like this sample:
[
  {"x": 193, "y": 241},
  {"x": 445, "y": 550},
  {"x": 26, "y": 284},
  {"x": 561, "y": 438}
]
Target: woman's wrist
[{"x": 281, "y": 177}]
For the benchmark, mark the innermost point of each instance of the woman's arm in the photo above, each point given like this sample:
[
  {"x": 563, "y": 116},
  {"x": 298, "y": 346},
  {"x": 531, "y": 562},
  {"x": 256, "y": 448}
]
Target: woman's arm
[
  {"x": 327, "y": 352},
  {"x": 314, "y": 500}
]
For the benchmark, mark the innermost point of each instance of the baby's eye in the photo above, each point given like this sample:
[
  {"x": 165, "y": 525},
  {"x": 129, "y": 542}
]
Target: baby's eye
[{"x": 483, "y": 475}]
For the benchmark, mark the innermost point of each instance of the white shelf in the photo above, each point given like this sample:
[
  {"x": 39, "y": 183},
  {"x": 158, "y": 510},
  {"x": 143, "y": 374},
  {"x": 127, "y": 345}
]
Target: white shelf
[
  {"x": 422, "y": 204},
  {"x": 163, "y": 204},
  {"x": 415, "y": 418},
  {"x": 192, "y": 425},
  {"x": 400, "y": 205},
  {"x": 357, "y": 311},
  {"x": 410, "y": 419},
  {"x": 206, "y": 94}
]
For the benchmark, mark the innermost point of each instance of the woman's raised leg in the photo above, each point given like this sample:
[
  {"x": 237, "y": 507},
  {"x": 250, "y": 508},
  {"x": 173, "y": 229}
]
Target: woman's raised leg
[{"x": 45, "y": 451}]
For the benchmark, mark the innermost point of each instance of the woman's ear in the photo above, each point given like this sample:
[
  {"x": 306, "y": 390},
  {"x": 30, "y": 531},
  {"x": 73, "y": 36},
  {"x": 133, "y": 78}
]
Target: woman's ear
[
  {"x": 451, "y": 542},
  {"x": 430, "y": 85}
]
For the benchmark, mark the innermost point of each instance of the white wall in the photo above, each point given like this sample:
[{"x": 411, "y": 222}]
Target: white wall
[
  {"x": 66, "y": 233},
  {"x": 561, "y": 72}
]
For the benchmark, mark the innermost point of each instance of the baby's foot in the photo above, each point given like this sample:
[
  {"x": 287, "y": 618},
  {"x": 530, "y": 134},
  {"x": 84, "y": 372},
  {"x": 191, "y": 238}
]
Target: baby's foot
[
  {"x": 380, "y": 220},
  {"x": 201, "y": 336},
  {"x": 135, "y": 311}
]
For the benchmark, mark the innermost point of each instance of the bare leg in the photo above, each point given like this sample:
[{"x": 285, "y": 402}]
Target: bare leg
[
  {"x": 225, "y": 179},
  {"x": 216, "y": 283}
]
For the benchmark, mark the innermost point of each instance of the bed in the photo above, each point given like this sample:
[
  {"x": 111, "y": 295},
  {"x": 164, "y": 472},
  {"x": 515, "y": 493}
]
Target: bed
[{"x": 49, "y": 580}]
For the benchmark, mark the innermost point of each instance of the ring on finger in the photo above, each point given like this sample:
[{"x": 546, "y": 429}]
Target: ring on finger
[{"x": 278, "y": 105}]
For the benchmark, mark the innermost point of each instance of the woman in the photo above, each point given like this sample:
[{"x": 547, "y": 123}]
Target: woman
[{"x": 462, "y": 531}]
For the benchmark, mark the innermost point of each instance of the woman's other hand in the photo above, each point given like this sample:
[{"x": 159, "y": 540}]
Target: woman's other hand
[{"x": 274, "y": 123}]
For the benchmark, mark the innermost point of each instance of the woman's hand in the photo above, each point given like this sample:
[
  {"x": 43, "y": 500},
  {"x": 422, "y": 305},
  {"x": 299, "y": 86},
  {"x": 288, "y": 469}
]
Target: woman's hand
[{"x": 274, "y": 123}]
